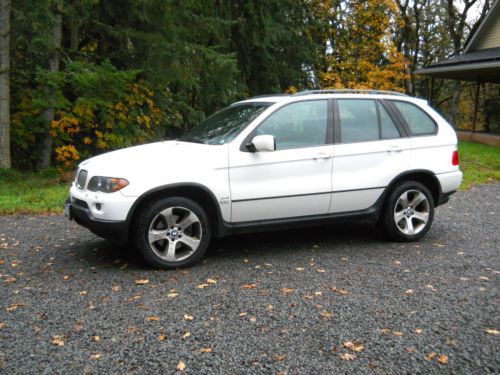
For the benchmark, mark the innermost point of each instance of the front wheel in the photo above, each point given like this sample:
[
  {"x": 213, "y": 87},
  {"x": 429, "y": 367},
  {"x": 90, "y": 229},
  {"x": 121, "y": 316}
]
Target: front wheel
[
  {"x": 173, "y": 232},
  {"x": 409, "y": 212}
]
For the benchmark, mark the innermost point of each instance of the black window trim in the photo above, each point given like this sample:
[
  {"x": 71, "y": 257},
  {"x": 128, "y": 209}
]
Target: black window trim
[
  {"x": 399, "y": 126},
  {"x": 401, "y": 118},
  {"x": 329, "y": 126}
]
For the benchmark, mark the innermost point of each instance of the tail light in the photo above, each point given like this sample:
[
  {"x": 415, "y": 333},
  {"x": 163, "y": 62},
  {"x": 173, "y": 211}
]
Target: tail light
[{"x": 454, "y": 158}]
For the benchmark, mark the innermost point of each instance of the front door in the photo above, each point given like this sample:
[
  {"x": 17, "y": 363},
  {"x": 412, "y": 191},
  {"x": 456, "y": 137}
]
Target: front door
[{"x": 295, "y": 180}]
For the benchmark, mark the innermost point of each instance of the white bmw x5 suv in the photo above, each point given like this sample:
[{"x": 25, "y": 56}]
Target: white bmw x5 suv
[{"x": 270, "y": 162}]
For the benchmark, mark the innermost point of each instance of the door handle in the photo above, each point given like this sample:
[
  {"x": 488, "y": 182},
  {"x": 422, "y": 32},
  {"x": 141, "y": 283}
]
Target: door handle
[
  {"x": 394, "y": 149},
  {"x": 322, "y": 155}
]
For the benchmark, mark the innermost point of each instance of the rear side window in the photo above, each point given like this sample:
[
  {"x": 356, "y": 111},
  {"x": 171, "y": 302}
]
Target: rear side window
[
  {"x": 363, "y": 120},
  {"x": 418, "y": 121},
  {"x": 358, "y": 120}
]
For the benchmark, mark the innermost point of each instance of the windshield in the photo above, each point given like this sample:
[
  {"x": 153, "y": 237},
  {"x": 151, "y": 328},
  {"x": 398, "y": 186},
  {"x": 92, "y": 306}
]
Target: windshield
[{"x": 223, "y": 126}]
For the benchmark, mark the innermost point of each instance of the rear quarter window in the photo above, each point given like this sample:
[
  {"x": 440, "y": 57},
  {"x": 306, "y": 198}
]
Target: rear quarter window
[{"x": 419, "y": 122}]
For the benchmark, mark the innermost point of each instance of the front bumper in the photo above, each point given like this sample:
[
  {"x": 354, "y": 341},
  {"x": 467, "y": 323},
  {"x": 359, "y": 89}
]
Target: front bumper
[{"x": 78, "y": 210}]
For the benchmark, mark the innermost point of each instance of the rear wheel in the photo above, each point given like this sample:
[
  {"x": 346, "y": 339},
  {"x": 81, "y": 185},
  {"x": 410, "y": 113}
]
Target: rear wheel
[
  {"x": 409, "y": 212},
  {"x": 173, "y": 232}
]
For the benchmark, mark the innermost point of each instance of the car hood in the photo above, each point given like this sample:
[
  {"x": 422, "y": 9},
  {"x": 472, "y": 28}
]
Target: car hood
[{"x": 158, "y": 163}]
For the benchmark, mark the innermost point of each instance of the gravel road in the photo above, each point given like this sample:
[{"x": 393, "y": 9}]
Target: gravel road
[{"x": 335, "y": 299}]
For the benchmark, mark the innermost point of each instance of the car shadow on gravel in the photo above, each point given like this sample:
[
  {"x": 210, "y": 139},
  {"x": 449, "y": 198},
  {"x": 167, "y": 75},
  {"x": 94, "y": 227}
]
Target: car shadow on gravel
[{"x": 104, "y": 254}]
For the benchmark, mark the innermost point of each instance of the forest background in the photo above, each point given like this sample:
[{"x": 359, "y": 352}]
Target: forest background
[{"x": 90, "y": 76}]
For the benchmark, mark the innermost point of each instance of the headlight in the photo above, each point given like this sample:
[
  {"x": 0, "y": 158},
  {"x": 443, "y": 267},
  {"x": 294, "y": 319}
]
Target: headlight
[{"x": 106, "y": 184}]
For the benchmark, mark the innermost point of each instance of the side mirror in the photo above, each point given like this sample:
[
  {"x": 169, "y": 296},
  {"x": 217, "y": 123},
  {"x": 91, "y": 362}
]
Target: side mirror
[{"x": 262, "y": 143}]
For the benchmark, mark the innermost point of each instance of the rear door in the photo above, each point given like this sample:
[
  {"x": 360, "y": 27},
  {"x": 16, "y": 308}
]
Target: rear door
[{"x": 370, "y": 149}]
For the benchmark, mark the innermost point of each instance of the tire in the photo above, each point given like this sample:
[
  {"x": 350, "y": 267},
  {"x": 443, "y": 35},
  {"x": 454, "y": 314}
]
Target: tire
[
  {"x": 408, "y": 212},
  {"x": 172, "y": 233}
]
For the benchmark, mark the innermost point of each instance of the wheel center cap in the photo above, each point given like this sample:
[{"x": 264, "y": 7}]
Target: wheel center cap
[
  {"x": 174, "y": 233},
  {"x": 408, "y": 212}
]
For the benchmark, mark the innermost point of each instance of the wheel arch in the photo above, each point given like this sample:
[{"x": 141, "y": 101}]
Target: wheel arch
[
  {"x": 425, "y": 177},
  {"x": 196, "y": 192}
]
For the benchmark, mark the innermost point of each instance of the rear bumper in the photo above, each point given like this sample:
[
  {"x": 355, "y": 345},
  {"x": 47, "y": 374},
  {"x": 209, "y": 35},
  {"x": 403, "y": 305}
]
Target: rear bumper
[{"x": 116, "y": 231}]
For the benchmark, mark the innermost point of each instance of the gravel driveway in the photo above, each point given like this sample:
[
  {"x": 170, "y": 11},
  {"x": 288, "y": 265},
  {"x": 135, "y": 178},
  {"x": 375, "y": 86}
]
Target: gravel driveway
[{"x": 335, "y": 299}]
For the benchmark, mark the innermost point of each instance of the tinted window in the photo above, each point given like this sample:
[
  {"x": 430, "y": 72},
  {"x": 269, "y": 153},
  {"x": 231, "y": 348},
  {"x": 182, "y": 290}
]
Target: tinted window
[
  {"x": 358, "y": 120},
  {"x": 387, "y": 126},
  {"x": 300, "y": 124},
  {"x": 418, "y": 121}
]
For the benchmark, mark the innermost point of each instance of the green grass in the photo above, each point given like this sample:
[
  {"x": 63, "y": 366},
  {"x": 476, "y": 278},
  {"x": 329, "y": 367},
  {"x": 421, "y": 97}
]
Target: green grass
[
  {"x": 480, "y": 163},
  {"x": 42, "y": 192},
  {"x": 22, "y": 192}
]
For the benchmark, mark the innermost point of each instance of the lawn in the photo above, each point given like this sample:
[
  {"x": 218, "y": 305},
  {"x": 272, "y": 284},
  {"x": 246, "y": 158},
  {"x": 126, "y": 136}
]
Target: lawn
[{"x": 43, "y": 192}]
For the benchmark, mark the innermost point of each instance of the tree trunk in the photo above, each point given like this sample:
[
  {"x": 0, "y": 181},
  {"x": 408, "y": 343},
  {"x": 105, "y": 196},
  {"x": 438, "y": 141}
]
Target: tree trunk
[
  {"x": 454, "y": 103},
  {"x": 46, "y": 152},
  {"x": 5, "y": 161}
]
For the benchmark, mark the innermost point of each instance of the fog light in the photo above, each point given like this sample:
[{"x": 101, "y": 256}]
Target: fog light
[{"x": 98, "y": 206}]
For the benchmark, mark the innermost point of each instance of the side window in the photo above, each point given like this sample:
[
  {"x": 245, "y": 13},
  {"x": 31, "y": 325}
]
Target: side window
[
  {"x": 299, "y": 124},
  {"x": 358, "y": 120},
  {"x": 418, "y": 121},
  {"x": 388, "y": 128}
]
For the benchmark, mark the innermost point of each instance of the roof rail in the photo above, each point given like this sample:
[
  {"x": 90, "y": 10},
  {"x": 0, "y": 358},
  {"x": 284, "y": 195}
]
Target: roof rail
[
  {"x": 350, "y": 91},
  {"x": 266, "y": 96}
]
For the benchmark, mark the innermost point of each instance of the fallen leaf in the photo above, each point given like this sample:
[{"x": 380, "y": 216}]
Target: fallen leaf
[
  {"x": 409, "y": 291},
  {"x": 96, "y": 356},
  {"x": 418, "y": 331},
  {"x": 348, "y": 356},
  {"x": 186, "y": 335},
  {"x": 443, "y": 359},
  {"x": 411, "y": 349},
  {"x": 14, "y": 307},
  {"x": 345, "y": 259},
  {"x": 162, "y": 337},
  {"x": 287, "y": 290},
  {"x": 249, "y": 286},
  {"x": 211, "y": 281},
  {"x": 142, "y": 281},
  {"x": 280, "y": 357},
  {"x": 172, "y": 295},
  {"x": 326, "y": 314},
  {"x": 242, "y": 314},
  {"x": 492, "y": 331},
  {"x": 429, "y": 286},
  {"x": 398, "y": 334},
  {"x": 2, "y": 325},
  {"x": 83, "y": 293},
  {"x": 269, "y": 307},
  {"x": 253, "y": 319},
  {"x": 96, "y": 338},
  {"x": 483, "y": 278},
  {"x": 299, "y": 269},
  {"x": 201, "y": 286},
  {"x": 134, "y": 298},
  {"x": 356, "y": 346},
  {"x": 57, "y": 340},
  {"x": 206, "y": 350},
  {"x": 318, "y": 293},
  {"x": 10, "y": 280},
  {"x": 430, "y": 356},
  {"x": 320, "y": 270},
  {"x": 153, "y": 318},
  {"x": 66, "y": 277},
  {"x": 188, "y": 317},
  {"x": 342, "y": 292},
  {"x": 397, "y": 262},
  {"x": 464, "y": 279},
  {"x": 181, "y": 366},
  {"x": 116, "y": 288}
]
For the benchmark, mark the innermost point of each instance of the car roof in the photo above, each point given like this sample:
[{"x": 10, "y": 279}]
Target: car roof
[{"x": 326, "y": 94}]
